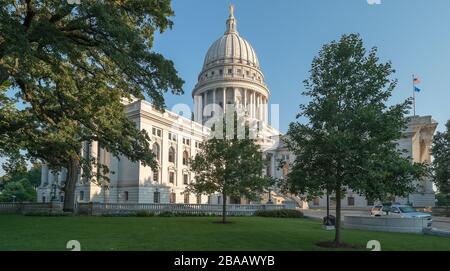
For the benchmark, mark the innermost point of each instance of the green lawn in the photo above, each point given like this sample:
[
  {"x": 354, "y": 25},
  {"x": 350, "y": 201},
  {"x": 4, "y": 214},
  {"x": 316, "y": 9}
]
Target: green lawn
[{"x": 189, "y": 233}]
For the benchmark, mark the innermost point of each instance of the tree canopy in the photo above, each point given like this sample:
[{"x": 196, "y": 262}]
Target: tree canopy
[
  {"x": 231, "y": 164},
  {"x": 72, "y": 69},
  {"x": 349, "y": 141},
  {"x": 441, "y": 160}
]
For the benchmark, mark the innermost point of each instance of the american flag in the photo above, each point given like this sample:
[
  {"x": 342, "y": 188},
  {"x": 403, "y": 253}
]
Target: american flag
[{"x": 416, "y": 81}]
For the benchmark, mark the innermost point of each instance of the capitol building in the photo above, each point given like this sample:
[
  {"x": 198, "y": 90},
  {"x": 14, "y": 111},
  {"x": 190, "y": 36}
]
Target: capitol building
[{"x": 231, "y": 78}]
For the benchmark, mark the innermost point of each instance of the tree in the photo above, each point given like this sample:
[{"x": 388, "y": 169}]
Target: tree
[
  {"x": 75, "y": 66},
  {"x": 18, "y": 191},
  {"x": 350, "y": 138},
  {"x": 231, "y": 165},
  {"x": 441, "y": 161},
  {"x": 20, "y": 185}
]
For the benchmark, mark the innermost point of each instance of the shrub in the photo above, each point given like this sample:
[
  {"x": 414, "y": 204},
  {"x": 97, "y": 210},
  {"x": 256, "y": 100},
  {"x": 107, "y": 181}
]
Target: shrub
[
  {"x": 167, "y": 214},
  {"x": 45, "y": 213},
  {"x": 144, "y": 213},
  {"x": 282, "y": 213}
]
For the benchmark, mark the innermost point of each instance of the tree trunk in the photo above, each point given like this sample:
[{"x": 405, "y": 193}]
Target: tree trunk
[
  {"x": 69, "y": 187},
  {"x": 224, "y": 207},
  {"x": 328, "y": 207},
  {"x": 337, "y": 236}
]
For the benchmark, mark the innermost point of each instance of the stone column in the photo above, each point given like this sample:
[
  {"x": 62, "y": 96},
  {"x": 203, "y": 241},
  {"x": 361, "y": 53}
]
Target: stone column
[
  {"x": 44, "y": 175},
  {"x": 258, "y": 106},
  {"x": 214, "y": 101},
  {"x": 163, "y": 173},
  {"x": 204, "y": 102},
  {"x": 245, "y": 99},
  {"x": 224, "y": 100}
]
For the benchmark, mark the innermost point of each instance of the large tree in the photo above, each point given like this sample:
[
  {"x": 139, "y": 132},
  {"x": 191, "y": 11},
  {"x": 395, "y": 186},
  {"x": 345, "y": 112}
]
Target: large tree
[
  {"x": 230, "y": 163},
  {"x": 349, "y": 139},
  {"x": 441, "y": 161},
  {"x": 74, "y": 66}
]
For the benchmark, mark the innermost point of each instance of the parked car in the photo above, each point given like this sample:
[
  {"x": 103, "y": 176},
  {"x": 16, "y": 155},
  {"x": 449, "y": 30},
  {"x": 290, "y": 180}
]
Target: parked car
[
  {"x": 376, "y": 210},
  {"x": 400, "y": 210}
]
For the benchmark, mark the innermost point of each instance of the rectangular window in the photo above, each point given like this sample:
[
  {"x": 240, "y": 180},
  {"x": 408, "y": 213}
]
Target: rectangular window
[
  {"x": 220, "y": 72},
  {"x": 155, "y": 176},
  {"x": 126, "y": 195},
  {"x": 81, "y": 195},
  {"x": 156, "y": 196},
  {"x": 185, "y": 179},
  {"x": 370, "y": 202},
  {"x": 230, "y": 71},
  {"x": 156, "y": 132},
  {"x": 316, "y": 201},
  {"x": 172, "y": 177},
  {"x": 199, "y": 199},
  {"x": 351, "y": 201},
  {"x": 186, "y": 198}
]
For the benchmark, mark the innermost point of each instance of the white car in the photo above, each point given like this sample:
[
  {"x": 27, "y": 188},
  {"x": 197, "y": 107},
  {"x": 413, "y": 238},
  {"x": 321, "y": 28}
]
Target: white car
[{"x": 400, "y": 210}]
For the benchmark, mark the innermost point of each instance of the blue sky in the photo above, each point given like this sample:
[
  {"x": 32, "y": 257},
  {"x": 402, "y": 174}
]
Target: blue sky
[{"x": 287, "y": 34}]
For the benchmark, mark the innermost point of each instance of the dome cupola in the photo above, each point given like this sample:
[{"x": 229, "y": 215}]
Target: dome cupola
[{"x": 230, "y": 75}]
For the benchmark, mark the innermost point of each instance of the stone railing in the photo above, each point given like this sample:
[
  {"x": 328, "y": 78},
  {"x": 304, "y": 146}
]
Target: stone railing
[
  {"x": 157, "y": 208},
  {"x": 29, "y": 207}
]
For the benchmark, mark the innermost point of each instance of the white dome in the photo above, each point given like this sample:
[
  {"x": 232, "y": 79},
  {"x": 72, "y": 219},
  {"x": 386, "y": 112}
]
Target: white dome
[{"x": 231, "y": 48}]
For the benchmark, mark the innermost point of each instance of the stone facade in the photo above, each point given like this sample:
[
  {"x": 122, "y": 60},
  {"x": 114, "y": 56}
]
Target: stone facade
[{"x": 230, "y": 78}]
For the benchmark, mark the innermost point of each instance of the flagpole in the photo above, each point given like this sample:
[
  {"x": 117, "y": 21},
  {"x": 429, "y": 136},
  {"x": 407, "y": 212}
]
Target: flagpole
[{"x": 414, "y": 95}]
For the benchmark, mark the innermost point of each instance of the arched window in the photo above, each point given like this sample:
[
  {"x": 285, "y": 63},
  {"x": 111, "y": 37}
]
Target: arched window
[
  {"x": 185, "y": 158},
  {"x": 155, "y": 150},
  {"x": 171, "y": 155}
]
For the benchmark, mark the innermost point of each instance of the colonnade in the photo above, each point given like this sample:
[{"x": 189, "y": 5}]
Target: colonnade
[{"x": 254, "y": 103}]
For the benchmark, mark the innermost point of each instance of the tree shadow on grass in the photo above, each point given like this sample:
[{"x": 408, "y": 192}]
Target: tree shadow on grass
[{"x": 332, "y": 244}]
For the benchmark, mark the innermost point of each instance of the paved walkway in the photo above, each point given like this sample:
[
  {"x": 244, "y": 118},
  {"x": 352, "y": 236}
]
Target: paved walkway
[{"x": 441, "y": 223}]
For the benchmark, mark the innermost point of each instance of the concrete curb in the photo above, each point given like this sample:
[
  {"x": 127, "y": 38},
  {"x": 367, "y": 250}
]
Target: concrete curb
[{"x": 436, "y": 232}]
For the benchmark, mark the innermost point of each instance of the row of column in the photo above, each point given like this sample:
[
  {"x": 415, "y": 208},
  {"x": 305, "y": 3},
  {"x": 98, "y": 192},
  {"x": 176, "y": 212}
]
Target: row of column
[{"x": 255, "y": 103}]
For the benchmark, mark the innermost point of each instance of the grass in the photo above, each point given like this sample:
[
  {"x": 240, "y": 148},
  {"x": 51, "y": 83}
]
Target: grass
[{"x": 190, "y": 234}]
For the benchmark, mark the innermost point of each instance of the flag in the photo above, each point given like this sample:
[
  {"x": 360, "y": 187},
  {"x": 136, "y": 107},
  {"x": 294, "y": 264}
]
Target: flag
[
  {"x": 416, "y": 89},
  {"x": 416, "y": 81}
]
